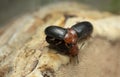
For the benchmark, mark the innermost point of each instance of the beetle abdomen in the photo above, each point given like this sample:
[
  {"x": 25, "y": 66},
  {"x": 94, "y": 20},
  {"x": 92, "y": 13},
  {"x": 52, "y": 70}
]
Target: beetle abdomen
[
  {"x": 56, "y": 32},
  {"x": 83, "y": 29}
]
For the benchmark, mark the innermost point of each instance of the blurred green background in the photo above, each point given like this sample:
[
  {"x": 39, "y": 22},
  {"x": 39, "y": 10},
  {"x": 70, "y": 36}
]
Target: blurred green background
[{"x": 10, "y": 9}]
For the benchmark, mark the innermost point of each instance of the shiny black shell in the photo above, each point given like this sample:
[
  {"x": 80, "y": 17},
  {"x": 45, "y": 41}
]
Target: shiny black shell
[
  {"x": 83, "y": 29},
  {"x": 55, "y": 32}
]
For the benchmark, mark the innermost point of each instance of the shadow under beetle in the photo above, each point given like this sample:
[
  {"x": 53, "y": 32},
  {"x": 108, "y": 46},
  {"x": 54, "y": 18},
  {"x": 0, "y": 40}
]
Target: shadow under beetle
[{"x": 65, "y": 39}]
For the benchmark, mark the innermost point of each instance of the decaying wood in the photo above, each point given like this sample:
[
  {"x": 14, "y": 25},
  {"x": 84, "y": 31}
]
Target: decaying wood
[{"x": 25, "y": 53}]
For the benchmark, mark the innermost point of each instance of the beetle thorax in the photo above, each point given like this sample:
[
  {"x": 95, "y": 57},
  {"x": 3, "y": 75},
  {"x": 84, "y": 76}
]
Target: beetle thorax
[{"x": 71, "y": 36}]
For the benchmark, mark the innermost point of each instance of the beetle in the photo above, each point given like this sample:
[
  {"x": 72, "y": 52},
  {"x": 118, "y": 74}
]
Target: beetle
[{"x": 65, "y": 39}]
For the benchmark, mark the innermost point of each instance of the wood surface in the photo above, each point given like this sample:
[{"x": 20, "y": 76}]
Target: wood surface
[{"x": 25, "y": 53}]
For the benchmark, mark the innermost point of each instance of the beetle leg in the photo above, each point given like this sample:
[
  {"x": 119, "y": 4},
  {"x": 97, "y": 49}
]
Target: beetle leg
[
  {"x": 58, "y": 42},
  {"x": 74, "y": 59},
  {"x": 77, "y": 59},
  {"x": 82, "y": 45}
]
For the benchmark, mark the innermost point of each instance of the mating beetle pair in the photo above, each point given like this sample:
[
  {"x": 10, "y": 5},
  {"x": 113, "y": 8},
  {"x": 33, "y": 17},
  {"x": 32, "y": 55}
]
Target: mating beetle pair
[{"x": 66, "y": 39}]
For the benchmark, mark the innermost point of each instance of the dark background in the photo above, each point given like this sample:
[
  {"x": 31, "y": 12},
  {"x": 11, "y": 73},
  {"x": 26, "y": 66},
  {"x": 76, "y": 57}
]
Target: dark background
[{"x": 10, "y": 9}]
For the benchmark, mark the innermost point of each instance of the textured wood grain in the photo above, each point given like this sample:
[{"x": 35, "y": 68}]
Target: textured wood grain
[{"x": 25, "y": 53}]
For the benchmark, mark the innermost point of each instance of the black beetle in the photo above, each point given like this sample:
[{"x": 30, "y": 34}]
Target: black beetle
[
  {"x": 65, "y": 39},
  {"x": 83, "y": 29},
  {"x": 55, "y": 32}
]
